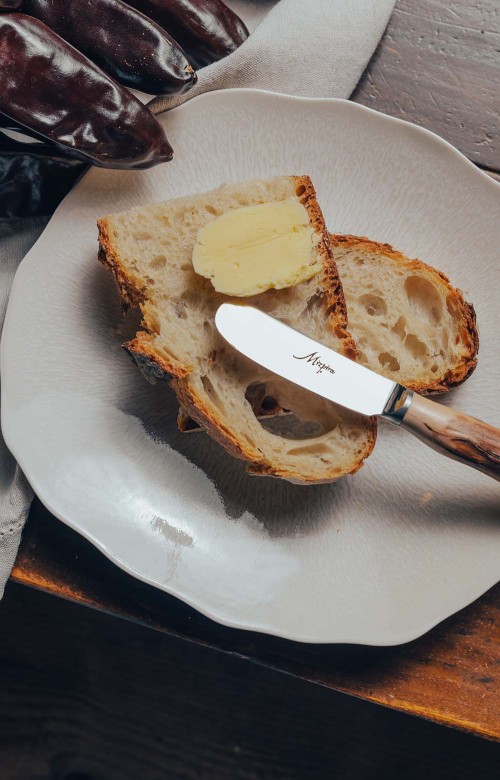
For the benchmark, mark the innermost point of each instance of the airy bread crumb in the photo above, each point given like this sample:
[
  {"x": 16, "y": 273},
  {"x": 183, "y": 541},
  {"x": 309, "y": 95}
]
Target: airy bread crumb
[
  {"x": 408, "y": 322},
  {"x": 149, "y": 252}
]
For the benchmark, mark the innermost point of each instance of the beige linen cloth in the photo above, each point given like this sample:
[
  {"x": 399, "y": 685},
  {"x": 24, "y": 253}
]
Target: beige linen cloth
[{"x": 317, "y": 48}]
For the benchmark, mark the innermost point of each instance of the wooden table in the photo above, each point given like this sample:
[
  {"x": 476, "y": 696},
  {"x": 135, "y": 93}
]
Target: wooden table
[{"x": 438, "y": 65}]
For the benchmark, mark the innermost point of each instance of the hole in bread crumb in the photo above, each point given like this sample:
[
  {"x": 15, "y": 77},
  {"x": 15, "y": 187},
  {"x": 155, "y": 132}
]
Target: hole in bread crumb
[
  {"x": 434, "y": 368},
  {"x": 191, "y": 297},
  {"x": 180, "y": 311},
  {"x": 269, "y": 403},
  {"x": 211, "y": 391},
  {"x": 290, "y": 427},
  {"x": 158, "y": 261},
  {"x": 315, "y": 305},
  {"x": 374, "y": 305},
  {"x": 316, "y": 448},
  {"x": 415, "y": 346},
  {"x": 261, "y": 401},
  {"x": 424, "y": 298},
  {"x": 142, "y": 235},
  {"x": 400, "y": 328},
  {"x": 289, "y": 412},
  {"x": 388, "y": 361},
  {"x": 210, "y": 209}
]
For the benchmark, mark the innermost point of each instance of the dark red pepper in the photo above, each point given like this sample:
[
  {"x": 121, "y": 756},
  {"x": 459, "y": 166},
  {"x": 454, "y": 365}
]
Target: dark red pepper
[
  {"x": 33, "y": 178},
  {"x": 207, "y": 30},
  {"x": 58, "y": 95},
  {"x": 126, "y": 44}
]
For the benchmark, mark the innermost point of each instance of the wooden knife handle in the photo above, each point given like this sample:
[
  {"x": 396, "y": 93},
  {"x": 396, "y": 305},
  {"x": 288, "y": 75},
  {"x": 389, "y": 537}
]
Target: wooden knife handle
[{"x": 454, "y": 434}]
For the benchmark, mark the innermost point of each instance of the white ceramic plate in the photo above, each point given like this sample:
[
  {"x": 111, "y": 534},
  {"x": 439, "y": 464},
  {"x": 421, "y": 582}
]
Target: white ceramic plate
[{"x": 377, "y": 558}]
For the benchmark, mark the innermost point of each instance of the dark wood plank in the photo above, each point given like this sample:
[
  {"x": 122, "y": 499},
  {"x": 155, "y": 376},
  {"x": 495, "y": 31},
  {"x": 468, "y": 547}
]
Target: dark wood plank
[
  {"x": 84, "y": 696},
  {"x": 438, "y": 66},
  {"x": 450, "y": 676}
]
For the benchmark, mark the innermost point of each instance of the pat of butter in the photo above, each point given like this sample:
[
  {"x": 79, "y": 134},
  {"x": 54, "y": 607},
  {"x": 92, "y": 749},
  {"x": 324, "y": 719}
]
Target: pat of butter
[{"x": 252, "y": 249}]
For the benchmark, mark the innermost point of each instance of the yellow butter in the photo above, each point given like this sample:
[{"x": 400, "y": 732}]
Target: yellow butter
[{"x": 252, "y": 249}]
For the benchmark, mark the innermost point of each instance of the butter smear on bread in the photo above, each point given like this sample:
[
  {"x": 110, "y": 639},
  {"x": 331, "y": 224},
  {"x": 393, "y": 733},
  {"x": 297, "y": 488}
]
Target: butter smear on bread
[{"x": 255, "y": 248}]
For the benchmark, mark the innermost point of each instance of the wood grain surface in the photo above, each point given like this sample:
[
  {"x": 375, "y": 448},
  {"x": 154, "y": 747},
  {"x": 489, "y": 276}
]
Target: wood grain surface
[
  {"x": 450, "y": 676},
  {"x": 438, "y": 65},
  {"x": 84, "y": 696}
]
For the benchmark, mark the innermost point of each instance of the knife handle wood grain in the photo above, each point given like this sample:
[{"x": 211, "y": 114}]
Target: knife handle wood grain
[{"x": 456, "y": 435}]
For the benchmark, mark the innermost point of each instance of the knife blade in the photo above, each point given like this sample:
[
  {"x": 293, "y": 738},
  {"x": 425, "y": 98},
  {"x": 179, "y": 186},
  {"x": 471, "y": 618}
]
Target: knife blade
[
  {"x": 309, "y": 364},
  {"x": 302, "y": 360}
]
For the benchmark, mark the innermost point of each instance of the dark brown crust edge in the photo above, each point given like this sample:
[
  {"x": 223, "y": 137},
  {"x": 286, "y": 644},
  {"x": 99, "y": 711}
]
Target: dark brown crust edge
[
  {"x": 458, "y": 374},
  {"x": 155, "y": 366},
  {"x": 336, "y": 311}
]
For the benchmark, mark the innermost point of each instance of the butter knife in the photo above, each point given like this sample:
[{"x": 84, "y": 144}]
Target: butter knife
[{"x": 307, "y": 363}]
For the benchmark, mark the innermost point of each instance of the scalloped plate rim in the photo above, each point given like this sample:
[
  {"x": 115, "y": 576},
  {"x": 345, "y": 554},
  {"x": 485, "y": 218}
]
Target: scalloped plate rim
[{"x": 395, "y": 638}]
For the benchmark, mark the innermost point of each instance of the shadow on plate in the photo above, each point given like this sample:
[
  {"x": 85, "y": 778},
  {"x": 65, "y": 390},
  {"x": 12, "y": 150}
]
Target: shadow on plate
[{"x": 285, "y": 510}]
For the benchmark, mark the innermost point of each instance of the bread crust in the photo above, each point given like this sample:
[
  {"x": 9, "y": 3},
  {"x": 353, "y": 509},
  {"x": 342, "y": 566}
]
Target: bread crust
[
  {"x": 158, "y": 366},
  {"x": 336, "y": 312},
  {"x": 468, "y": 362},
  {"x": 258, "y": 466}
]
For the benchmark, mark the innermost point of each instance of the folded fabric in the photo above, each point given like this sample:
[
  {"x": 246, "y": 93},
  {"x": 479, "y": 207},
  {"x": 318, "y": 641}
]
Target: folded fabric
[
  {"x": 15, "y": 493},
  {"x": 317, "y": 49}
]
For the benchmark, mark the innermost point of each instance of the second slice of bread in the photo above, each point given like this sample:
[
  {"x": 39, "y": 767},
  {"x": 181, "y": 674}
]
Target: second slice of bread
[
  {"x": 408, "y": 321},
  {"x": 149, "y": 251}
]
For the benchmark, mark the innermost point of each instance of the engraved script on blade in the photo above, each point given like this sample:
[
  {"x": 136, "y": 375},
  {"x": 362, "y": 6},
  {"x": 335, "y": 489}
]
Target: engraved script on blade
[{"x": 316, "y": 361}]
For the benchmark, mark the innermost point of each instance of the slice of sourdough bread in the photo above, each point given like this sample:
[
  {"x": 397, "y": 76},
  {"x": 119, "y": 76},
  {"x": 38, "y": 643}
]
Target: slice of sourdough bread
[
  {"x": 408, "y": 322},
  {"x": 149, "y": 252}
]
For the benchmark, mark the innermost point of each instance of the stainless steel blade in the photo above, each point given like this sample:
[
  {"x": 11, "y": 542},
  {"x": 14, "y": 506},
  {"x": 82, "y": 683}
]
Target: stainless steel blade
[{"x": 302, "y": 360}]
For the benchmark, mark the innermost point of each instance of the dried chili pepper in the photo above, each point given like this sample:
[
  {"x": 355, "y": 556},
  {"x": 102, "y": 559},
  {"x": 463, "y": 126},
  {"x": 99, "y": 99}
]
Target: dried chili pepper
[
  {"x": 126, "y": 44},
  {"x": 207, "y": 30},
  {"x": 33, "y": 178},
  {"x": 56, "y": 94}
]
